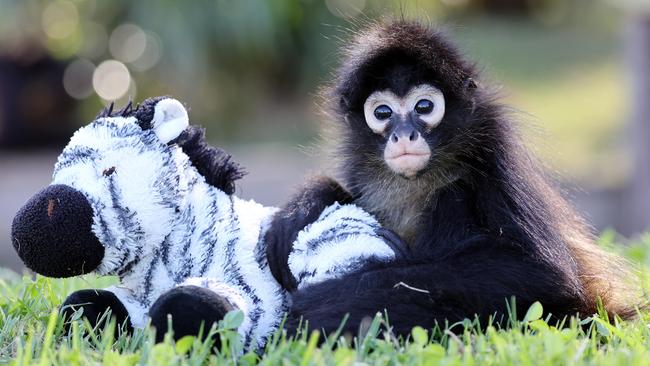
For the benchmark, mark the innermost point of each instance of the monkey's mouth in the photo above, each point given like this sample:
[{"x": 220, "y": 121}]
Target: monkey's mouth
[
  {"x": 408, "y": 155},
  {"x": 408, "y": 164}
]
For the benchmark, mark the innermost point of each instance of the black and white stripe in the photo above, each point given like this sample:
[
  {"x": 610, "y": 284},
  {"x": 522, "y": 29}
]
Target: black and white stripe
[{"x": 162, "y": 225}]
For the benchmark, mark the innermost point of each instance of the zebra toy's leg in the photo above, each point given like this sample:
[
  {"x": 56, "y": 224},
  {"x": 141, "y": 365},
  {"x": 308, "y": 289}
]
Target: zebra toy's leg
[
  {"x": 191, "y": 309},
  {"x": 342, "y": 240},
  {"x": 196, "y": 304},
  {"x": 94, "y": 305}
]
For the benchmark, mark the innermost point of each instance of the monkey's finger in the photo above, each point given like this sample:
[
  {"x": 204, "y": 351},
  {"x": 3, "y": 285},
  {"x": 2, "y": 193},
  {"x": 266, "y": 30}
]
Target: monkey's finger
[{"x": 396, "y": 243}]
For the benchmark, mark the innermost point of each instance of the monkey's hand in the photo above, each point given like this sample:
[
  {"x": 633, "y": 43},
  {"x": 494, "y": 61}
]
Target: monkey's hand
[
  {"x": 396, "y": 242},
  {"x": 301, "y": 210}
]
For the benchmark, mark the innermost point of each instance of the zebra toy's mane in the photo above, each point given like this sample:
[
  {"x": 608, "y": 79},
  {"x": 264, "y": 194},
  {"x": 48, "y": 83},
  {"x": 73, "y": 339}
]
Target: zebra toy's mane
[{"x": 214, "y": 164}]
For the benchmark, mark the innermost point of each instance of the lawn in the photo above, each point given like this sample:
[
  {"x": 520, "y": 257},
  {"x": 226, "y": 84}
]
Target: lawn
[{"x": 31, "y": 332}]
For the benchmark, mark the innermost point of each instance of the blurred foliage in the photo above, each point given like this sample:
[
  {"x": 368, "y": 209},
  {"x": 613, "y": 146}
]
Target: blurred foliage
[
  {"x": 567, "y": 85},
  {"x": 32, "y": 333},
  {"x": 250, "y": 70}
]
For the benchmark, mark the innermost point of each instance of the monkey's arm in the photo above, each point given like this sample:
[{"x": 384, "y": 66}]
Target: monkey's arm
[
  {"x": 479, "y": 282},
  {"x": 301, "y": 210}
]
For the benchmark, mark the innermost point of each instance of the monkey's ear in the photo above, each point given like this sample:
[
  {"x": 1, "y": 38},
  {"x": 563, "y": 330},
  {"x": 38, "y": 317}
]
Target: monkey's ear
[
  {"x": 344, "y": 103},
  {"x": 169, "y": 119},
  {"x": 470, "y": 85},
  {"x": 344, "y": 106}
]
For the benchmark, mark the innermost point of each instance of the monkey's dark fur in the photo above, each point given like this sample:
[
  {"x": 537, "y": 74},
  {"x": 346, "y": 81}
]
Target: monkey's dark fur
[{"x": 482, "y": 221}]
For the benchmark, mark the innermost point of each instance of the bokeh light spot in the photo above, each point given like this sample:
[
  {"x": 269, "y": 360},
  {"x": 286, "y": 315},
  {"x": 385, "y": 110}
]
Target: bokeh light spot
[
  {"x": 78, "y": 79},
  {"x": 111, "y": 79},
  {"x": 127, "y": 42},
  {"x": 151, "y": 54},
  {"x": 60, "y": 19}
]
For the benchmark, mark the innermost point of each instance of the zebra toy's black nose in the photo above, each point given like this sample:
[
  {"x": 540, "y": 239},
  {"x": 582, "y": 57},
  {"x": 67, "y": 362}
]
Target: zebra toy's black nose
[{"x": 52, "y": 233}]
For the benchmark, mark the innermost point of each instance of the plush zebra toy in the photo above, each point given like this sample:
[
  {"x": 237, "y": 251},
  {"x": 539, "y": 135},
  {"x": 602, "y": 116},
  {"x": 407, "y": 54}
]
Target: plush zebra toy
[{"x": 140, "y": 195}]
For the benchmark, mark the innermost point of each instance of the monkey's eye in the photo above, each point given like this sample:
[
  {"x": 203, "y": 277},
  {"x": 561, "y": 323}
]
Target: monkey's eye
[
  {"x": 383, "y": 112},
  {"x": 424, "y": 106}
]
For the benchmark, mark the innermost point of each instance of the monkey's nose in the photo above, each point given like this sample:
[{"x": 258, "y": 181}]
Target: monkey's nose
[
  {"x": 410, "y": 134},
  {"x": 52, "y": 233},
  {"x": 413, "y": 136}
]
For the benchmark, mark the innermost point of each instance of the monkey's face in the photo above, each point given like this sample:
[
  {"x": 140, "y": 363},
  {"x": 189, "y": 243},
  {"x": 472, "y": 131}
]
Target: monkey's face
[
  {"x": 402, "y": 121},
  {"x": 408, "y": 102}
]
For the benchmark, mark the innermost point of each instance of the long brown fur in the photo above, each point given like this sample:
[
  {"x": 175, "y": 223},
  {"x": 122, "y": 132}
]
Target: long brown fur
[
  {"x": 399, "y": 203},
  {"x": 482, "y": 220}
]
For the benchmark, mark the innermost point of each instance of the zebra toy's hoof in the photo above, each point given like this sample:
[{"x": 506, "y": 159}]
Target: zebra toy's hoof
[
  {"x": 190, "y": 307},
  {"x": 94, "y": 305}
]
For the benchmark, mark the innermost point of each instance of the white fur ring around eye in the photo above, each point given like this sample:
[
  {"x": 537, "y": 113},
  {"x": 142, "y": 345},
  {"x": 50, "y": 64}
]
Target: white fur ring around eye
[
  {"x": 169, "y": 119},
  {"x": 377, "y": 99},
  {"x": 434, "y": 118},
  {"x": 428, "y": 92}
]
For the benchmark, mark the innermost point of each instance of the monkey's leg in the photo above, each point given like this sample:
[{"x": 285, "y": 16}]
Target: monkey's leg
[
  {"x": 95, "y": 304},
  {"x": 479, "y": 282},
  {"x": 302, "y": 209}
]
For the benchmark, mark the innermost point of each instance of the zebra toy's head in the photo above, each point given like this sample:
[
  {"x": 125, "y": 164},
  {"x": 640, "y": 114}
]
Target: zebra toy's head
[{"x": 117, "y": 187}]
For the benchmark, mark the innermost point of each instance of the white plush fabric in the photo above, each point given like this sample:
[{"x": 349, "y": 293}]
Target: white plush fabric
[{"x": 163, "y": 226}]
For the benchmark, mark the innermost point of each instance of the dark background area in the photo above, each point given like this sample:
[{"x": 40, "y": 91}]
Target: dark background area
[{"x": 577, "y": 74}]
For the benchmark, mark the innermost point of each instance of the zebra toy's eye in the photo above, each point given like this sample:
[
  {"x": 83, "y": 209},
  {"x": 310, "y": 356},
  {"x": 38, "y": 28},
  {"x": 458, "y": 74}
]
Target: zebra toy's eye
[{"x": 108, "y": 171}]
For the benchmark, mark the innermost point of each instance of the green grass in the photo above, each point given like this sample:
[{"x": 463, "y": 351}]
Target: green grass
[{"x": 31, "y": 332}]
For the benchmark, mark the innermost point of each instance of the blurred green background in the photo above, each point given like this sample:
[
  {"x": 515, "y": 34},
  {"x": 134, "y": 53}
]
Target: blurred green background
[{"x": 250, "y": 71}]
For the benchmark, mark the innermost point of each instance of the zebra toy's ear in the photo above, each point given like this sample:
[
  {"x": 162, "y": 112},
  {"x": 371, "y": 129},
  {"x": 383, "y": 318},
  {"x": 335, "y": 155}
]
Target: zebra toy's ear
[{"x": 169, "y": 119}]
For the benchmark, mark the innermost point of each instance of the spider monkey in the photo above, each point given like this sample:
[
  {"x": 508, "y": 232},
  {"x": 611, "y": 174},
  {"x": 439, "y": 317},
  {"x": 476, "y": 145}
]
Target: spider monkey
[{"x": 430, "y": 151}]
